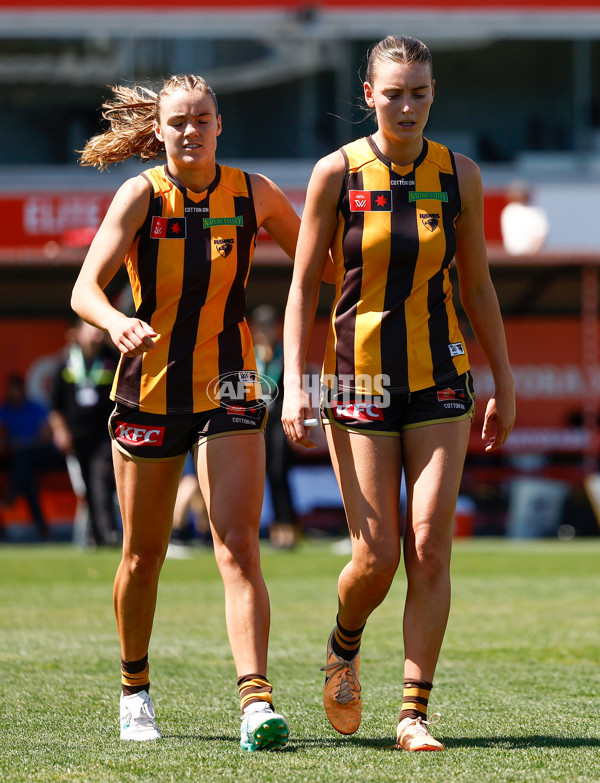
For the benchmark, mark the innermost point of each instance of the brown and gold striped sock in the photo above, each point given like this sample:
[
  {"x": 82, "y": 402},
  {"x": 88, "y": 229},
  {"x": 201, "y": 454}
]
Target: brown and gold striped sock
[
  {"x": 254, "y": 688},
  {"x": 135, "y": 676},
  {"x": 345, "y": 643},
  {"x": 414, "y": 699}
]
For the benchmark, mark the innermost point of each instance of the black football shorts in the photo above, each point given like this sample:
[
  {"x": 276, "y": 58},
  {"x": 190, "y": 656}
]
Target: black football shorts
[
  {"x": 155, "y": 436},
  {"x": 436, "y": 404}
]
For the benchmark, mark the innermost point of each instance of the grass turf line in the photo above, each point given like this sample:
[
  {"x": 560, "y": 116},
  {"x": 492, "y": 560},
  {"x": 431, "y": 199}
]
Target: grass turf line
[{"x": 518, "y": 680}]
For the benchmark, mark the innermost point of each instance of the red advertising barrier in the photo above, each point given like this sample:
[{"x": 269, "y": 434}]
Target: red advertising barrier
[
  {"x": 551, "y": 381},
  {"x": 58, "y": 226},
  {"x": 30, "y": 348},
  {"x": 42, "y": 223},
  {"x": 546, "y": 358},
  {"x": 551, "y": 378}
]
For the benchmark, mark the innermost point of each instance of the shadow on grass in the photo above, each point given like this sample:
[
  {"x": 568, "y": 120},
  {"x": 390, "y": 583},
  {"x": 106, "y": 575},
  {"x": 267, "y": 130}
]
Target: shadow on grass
[
  {"x": 383, "y": 743},
  {"x": 229, "y": 739},
  {"x": 201, "y": 737},
  {"x": 531, "y": 741},
  {"x": 294, "y": 744},
  {"x": 387, "y": 743},
  {"x": 499, "y": 742}
]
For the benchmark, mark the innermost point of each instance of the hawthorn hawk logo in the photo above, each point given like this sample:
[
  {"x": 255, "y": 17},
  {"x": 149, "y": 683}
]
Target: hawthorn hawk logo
[
  {"x": 224, "y": 246},
  {"x": 430, "y": 220}
]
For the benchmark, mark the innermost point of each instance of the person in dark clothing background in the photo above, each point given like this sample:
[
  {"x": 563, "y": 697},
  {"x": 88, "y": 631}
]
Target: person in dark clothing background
[
  {"x": 26, "y": 443},
  {"x": 266, "y": 328},
  {"x": 80, "y": 407}
]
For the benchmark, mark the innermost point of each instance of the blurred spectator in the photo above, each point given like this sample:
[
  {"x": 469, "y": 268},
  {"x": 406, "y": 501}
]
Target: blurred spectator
[
  {"x": 524, "y": 226},
  {"x": 26, "y": 441},
  {"x": 190, "y": 516},
  {"x": 80, "y": 407},
  {"x": 266, "y": 329}
]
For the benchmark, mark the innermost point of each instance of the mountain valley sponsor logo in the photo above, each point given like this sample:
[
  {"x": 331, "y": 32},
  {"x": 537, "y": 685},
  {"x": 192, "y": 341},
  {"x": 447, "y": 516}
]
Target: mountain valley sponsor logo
[
  {"x": 370, "y": 200},
  {"x": 134, "y": 435},
  {"x": 209, "y": 222},
  {"x": 168, "y": 228},
  {"x": 430, "y": 195},
  {"x": 430, "y": 220}
]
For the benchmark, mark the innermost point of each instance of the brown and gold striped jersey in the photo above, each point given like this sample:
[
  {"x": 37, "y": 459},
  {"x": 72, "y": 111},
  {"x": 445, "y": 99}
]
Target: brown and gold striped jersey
[
  {"x": 393, "y": 313},
  {"x": 188, "y": 268}
]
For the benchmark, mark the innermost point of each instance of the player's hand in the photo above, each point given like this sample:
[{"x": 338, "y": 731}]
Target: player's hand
[
  {"x": 499, "y": 421},
  {"x": 132, "y": 336},
  {"x": 298, "y": 419}
]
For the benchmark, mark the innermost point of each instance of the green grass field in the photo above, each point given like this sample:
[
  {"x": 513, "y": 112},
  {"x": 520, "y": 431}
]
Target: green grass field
[{"x": 518, "y": 683}]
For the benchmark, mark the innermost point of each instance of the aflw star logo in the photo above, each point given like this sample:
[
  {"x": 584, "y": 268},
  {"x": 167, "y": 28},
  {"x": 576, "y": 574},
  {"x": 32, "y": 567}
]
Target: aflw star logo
[
  {"x": 370, "y": 200},
  {"x": 168, "y": 228}
]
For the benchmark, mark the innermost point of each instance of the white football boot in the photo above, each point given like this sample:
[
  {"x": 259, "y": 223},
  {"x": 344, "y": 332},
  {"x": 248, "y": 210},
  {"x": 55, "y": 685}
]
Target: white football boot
[
  {"x": 137, "y": 717},
  {"x": 263, "y": 729}
]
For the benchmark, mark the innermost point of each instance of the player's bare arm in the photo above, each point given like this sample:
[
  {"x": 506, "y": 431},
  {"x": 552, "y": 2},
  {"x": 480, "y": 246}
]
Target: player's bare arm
[
  {"x": 318, "y": 225},
  {"x": 480, "y": 302},
  {"x": 275, "y": 213},
  {"x": 107, "y": 251}
]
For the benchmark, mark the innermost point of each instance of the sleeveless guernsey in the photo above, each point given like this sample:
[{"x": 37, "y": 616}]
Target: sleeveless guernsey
[
  {"x": 188, "y": 268},
  {"x": 393, "y": 314}
]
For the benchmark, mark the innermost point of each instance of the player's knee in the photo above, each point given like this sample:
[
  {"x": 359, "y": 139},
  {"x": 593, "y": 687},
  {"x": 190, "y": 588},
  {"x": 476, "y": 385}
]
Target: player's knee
[
  {"x": 144, "y": 566},
  {"x": 431, "y": 560},
  {"x": 378, "y": 566},
  {"x": 238, "y": 552}
]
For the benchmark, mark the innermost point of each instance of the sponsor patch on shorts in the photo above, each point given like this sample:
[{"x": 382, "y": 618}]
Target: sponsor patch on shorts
[
  {"x": 136, "y": 435},
  {"x": 242, "y": 410},
  {"x": 444, "y": 395},
  {"x": 357, "y": 411}
]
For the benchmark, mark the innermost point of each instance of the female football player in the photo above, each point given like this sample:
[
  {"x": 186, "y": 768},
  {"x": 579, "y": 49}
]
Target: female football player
[
  {"x": 394, "y": 209},
  {"x": 186, "y": 231}
]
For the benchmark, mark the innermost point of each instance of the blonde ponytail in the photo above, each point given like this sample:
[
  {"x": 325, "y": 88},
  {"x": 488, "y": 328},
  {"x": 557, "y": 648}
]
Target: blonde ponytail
[{"x": 130, "y": 115}]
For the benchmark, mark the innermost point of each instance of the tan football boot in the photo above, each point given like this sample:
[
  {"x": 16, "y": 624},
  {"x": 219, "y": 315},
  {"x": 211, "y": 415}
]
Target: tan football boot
[
  {"x": 413, "y": 734},
  {"x": 341, "y": 695}
]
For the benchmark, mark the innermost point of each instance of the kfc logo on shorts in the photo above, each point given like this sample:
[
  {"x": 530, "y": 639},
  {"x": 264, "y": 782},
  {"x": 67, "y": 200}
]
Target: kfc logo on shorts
[
  {"x": 450, "y": 394},
  {"x": 359, "y": 411},
  {"x": 134, "y": 435}
]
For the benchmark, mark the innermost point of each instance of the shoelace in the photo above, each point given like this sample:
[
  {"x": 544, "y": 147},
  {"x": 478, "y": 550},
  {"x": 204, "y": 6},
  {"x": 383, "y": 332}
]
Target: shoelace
[
  {"x": 421, "y": 725},
  {"x": 344, "y": 694},
  {"x": 144, "y": 714}
]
